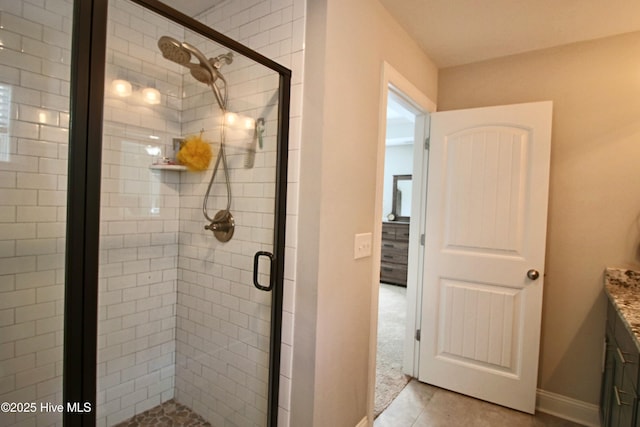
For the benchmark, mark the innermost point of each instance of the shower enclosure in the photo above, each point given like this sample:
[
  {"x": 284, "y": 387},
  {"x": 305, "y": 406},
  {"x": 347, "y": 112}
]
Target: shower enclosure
[{"x": 167, "y": 284}]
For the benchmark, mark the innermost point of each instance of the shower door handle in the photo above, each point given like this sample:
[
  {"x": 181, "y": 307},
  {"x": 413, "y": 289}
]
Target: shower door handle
[{"x": 256, "y": 260}]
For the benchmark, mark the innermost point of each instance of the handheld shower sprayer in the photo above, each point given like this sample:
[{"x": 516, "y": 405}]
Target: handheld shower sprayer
[{"x": 207, "y": 73}]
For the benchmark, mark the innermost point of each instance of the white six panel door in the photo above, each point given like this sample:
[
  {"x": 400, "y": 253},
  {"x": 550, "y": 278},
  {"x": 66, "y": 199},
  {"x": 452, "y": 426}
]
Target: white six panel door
[{"x": 485, "y": 242}]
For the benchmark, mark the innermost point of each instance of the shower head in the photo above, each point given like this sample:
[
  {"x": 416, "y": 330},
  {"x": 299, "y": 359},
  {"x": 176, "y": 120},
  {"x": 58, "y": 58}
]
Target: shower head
[
  {"x": 181, "y": 53},
  {"x": 206, "y": 71},
  {"x": 173, "y": 51},
  {"x": 201, "y": 74}
]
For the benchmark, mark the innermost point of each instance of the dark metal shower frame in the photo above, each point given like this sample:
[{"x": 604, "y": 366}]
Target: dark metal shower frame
[{"x": 89, "y": 37}]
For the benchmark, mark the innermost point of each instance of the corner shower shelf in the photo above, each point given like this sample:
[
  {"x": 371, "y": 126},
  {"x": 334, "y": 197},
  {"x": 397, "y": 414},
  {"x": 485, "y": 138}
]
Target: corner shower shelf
[{"x": 168, "y": 167}]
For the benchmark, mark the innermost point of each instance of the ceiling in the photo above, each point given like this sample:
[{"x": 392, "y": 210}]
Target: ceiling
[
  {"x": 401, "y": 121},
  {"x": 456, "y": 32}
]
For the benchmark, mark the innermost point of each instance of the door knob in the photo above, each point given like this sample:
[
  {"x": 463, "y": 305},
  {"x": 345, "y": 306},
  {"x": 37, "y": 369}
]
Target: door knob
[{"x": 533, "y": 274}]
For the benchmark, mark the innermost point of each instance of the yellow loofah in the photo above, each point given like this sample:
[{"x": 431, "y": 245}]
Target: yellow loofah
[{"x": 195, "y": 153}]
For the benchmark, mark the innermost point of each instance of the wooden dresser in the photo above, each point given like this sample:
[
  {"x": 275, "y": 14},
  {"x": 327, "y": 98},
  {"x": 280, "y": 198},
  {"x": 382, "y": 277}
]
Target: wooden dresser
[{"x": 395, "y": 252}]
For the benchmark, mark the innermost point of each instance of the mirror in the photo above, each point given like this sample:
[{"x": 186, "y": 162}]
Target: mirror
[{"x": 401, "y": 197}]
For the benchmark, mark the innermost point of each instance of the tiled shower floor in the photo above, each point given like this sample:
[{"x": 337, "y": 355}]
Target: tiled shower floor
[{"x": 169, "y": 414}]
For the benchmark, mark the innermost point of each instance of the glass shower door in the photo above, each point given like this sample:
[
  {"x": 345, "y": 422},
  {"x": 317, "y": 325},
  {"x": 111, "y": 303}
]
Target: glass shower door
[{"x": 191, "y": 205}]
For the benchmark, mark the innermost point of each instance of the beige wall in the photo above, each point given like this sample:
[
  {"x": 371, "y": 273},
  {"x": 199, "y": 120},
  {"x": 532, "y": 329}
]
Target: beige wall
[
  {"x": 346, "y": 43},
  {"x": 595, "y": 185}
]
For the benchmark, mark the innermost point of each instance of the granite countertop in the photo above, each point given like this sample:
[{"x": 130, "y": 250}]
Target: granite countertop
[{"x": 622, "y": 286}]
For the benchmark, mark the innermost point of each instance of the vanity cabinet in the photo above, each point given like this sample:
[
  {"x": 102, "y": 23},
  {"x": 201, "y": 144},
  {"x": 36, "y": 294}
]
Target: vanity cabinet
[
  {"x": 394, "y": 253},
  {"x": 619, "y": 393}
]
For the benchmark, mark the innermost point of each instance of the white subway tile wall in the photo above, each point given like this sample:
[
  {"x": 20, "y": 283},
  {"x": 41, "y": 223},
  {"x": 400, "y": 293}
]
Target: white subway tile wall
[
  {"x": 35, "y": 43},
  {"x": 178, "y": 315}
]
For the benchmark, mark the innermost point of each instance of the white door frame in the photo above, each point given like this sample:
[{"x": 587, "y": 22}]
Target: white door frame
[{"x": 393, "y": 80}]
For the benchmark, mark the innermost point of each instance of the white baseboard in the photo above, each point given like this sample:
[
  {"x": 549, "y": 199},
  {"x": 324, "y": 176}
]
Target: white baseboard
[
  {"x": 568, "y": 408},
  {"x": 363, "y": 422}
]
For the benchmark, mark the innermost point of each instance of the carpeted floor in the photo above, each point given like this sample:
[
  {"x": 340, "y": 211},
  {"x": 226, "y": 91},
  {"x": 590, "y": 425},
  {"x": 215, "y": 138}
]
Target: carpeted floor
[{"x": 391, "y": 330}]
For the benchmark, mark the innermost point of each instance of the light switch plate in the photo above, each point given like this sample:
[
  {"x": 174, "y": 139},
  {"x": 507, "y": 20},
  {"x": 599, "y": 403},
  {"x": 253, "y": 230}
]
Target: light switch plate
[{"x": 362, "y": 245}]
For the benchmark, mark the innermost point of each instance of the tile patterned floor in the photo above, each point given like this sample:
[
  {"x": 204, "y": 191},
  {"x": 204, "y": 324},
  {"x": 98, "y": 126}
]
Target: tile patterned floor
[
  {"x": 422, "y": 405},
  {"x": 169, "y": 414}
]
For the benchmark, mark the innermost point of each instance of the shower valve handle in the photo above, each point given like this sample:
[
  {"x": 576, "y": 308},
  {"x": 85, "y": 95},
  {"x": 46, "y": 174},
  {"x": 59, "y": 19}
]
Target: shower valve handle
[
  {"x": 218, "y": 226},
  {"x": 223, "y": 225}
]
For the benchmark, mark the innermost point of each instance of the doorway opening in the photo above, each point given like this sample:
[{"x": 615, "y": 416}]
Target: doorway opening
[
  {"x": 416, "y": 107},
  {"x": 403, "y": 148}
]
